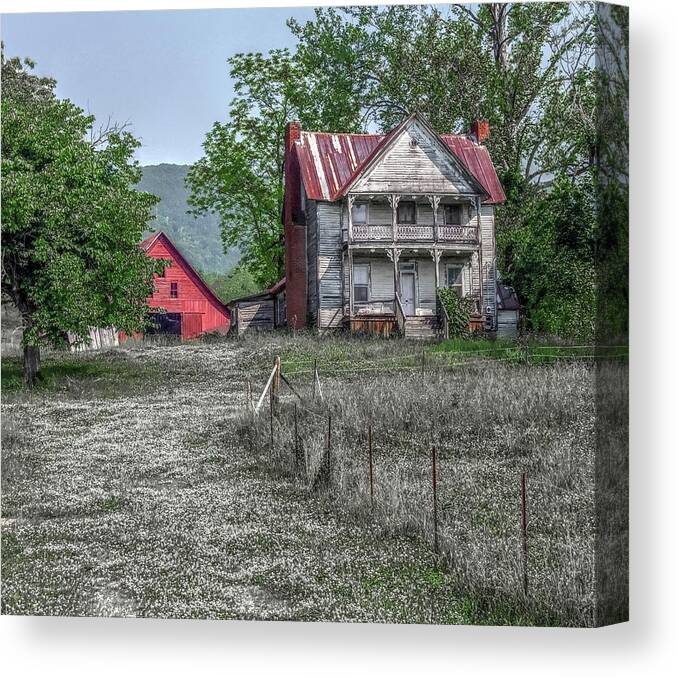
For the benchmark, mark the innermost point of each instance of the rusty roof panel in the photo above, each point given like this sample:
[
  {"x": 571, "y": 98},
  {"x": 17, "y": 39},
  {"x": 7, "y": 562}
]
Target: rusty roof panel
[{"x": 330, "y": 162}]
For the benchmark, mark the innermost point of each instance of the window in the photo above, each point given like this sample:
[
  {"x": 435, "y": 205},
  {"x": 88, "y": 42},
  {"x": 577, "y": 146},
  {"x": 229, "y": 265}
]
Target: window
[
  {"x": 359, "y": 213},
  {"x": 455, "y": 279},
  {"x": 407, "y": 212},
  {"x": 361, "y": 282},
  {"x": 452, "y": 215},
  {"x": 174, "y": 290}
]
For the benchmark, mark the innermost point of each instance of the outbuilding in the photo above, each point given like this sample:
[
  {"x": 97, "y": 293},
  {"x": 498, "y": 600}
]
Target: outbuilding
[
  {"x": 182, "y": 303},
  {"x": 260, "y": 312},
  {"x": 508, "y": 312}
]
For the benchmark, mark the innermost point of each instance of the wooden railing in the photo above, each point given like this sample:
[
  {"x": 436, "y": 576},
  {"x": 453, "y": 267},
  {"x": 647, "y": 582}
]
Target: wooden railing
[
  {"x": 401, "y": 319},
  {"x": 411, "y": 232}
]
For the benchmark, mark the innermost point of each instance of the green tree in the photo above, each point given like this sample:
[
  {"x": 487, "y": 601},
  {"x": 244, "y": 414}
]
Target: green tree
[
  {"x": 71, "y": 218},
  {"x": 240, "y": 176},
  {"x": 232, "y": 285}
]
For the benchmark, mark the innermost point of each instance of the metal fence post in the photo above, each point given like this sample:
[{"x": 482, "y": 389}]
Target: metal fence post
[
  {"x": 523, "y": 525},
  {"x": 435, "y": 498}
]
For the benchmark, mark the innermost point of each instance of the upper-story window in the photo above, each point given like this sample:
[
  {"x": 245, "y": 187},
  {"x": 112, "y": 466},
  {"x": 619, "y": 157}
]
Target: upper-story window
[
  {"x": 359, "y": 213},
  {"x": 174, "y": 290},
  {"x": 452, "y": 215},
  {"x": 407, "y": 212}
]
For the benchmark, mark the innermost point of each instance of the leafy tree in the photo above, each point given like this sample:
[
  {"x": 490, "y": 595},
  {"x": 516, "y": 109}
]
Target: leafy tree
[
  {"x": 549, "y": 255},
  {"x": 240, "y": 176},
  {"x": 238, "y": 282},
  {"x": 71, "y": 219}
]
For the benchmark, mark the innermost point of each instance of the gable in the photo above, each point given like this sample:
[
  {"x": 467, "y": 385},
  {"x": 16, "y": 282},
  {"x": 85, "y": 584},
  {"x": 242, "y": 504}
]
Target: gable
[
  {"x": 416, "y": 161},
  {"x": 159, "y": 246}
]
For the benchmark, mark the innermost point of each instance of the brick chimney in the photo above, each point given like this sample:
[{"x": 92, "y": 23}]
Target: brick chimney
[
  {"x": 295, "y": 233},
  {"x": 481, "y": 130}
]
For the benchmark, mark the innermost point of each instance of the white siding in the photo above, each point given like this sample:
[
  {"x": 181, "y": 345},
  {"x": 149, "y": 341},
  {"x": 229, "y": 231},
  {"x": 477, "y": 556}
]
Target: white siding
[
  {"x": 489, "y": 272},
  {"x": 312, "y": 260},
  {"x": 330, "y": 285},
  {"x": 417, "y": 162},
  {"x": 507, "y": 323}
]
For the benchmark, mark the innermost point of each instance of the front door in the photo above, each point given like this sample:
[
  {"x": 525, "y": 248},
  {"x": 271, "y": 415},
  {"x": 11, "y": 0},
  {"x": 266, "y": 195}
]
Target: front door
[{"x": 407, "y": 293}]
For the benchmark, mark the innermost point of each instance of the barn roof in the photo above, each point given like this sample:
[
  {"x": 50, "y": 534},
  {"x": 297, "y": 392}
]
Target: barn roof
[
  {"x": 161, "y": 236},
  {"x": 329, "y": 162}
]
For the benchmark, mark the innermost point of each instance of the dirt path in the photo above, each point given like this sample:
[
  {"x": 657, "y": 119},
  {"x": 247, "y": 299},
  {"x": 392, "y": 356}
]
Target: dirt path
[{"x": 146, "y": 505}]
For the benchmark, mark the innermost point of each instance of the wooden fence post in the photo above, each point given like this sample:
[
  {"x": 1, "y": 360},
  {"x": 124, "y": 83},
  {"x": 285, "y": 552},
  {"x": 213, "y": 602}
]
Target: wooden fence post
[
  {"x": 297, "y": 455},
  {"x": 276, "y": 379},
  {"x": 315, "y": 375},
  {"x": 523, "y": 525},
  {"x": 270, "y": 401},
  {"x": 435, "y": 499}
]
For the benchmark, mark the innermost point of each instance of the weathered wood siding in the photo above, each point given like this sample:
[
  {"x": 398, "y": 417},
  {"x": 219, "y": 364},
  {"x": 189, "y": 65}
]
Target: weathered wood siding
[
  {"x": 380, "y": 213},
  {"x": 489, "y": 262},
  {"x": 507, "y": 323},
  {"x": 329, "y": 272},
  {"x": 381, "y": 289},
  {"x": 100, "y": 338},
  {"x": 255, "y": 315},
  {"x": 418, "y": 163},
  {"x": 312, "y": 261},
  {"x": 381, "y": 286}
]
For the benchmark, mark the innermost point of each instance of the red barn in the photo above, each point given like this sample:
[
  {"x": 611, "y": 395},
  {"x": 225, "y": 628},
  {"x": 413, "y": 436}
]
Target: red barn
[{"x": 190, "y": 307}]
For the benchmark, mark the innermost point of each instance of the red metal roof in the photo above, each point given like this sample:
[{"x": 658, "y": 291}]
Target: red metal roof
[{"x": 329, "y": 163}]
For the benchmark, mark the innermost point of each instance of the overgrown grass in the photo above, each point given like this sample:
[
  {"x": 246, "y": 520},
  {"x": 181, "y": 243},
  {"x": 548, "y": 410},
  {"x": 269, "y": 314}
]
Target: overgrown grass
[
  {"x": 490, "y": 422},
  {"x": 99, "y": 374},
  {"x": 335, "y": 354}
]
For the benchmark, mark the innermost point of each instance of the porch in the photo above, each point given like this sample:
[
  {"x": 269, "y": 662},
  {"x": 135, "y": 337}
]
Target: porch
[
  {"x": 395, "y": 290},
  {"x": 376, "y": 220}
]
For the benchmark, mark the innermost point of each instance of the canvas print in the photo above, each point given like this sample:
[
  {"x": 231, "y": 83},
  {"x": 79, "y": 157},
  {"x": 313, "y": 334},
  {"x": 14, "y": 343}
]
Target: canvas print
[{"x": 317, "y": 314}]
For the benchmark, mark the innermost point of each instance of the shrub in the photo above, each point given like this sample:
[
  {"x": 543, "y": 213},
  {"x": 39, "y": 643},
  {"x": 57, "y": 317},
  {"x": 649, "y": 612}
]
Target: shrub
[{"x": 458, "y": 311}]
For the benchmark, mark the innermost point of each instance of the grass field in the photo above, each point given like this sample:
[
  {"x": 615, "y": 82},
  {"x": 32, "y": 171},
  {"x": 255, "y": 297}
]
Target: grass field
[{"x": 136, "y": 483}]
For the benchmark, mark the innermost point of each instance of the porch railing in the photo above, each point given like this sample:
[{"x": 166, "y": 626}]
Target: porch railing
[{"x": 411, "y": 232}]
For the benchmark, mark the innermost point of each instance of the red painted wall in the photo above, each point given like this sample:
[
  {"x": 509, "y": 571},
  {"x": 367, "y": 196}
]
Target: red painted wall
[{"x": 201, "y": 312}]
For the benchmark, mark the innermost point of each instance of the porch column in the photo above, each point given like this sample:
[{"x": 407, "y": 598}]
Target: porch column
[
  {"x": 435, "y": 255},
  {"x": 435, "y": 202},
  {"x": 394, "y": 200},
  {"x": 394, "y": 255},
  {"x": 349, "y": 201},
  {"x": 350, "y": 283}
]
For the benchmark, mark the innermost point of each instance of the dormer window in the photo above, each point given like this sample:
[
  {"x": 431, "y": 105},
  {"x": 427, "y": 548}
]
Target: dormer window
[
  {"x": 407, "y": 212},
  {"x": 359, "y": 213},
  {"x": 452, "y": 215}
]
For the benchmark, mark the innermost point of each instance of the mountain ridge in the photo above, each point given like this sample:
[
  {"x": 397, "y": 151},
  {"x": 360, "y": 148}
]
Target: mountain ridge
[{"x": 198, "y": 237}]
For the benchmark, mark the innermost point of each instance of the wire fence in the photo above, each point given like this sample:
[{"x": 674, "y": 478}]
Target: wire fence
[{"x": 426, "y": 360}]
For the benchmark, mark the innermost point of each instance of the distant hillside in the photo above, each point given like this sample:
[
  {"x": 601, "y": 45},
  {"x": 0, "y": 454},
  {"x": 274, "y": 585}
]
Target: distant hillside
[{"x": 198, "y": 238}]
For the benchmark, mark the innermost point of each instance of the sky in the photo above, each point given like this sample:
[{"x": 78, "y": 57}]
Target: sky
[{"x": 164, "y": 72}]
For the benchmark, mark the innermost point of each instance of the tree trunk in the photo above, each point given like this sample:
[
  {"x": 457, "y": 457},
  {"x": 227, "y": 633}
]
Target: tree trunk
[{"x": 31, "y": 365}]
